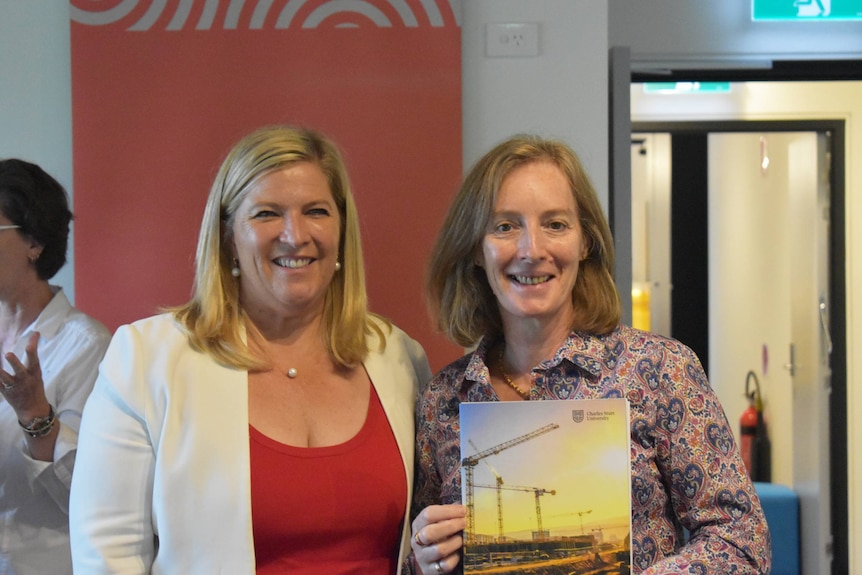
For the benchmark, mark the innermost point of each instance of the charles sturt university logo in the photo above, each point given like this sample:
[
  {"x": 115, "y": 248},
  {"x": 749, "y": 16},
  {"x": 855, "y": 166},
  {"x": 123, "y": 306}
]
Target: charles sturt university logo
[{"x": 578, "y": 415}]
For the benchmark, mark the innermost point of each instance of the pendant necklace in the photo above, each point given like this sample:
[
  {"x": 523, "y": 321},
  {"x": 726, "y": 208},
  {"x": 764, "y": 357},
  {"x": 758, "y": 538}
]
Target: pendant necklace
[{"x": 507, "y": 379}]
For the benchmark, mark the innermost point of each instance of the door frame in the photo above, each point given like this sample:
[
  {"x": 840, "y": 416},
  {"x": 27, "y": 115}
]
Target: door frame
[{"x": 838, "y": 461}]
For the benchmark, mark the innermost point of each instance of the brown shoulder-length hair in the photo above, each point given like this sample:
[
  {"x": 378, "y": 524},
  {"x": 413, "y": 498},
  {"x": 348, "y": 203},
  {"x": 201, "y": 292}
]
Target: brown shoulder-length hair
[
  {"x": 213, "y": 318},
  {"x": 461, "y": 302}
]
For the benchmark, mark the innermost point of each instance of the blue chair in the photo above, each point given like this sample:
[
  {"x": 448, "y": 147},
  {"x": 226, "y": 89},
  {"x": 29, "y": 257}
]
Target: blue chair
[{"x": 781, "y": 507}]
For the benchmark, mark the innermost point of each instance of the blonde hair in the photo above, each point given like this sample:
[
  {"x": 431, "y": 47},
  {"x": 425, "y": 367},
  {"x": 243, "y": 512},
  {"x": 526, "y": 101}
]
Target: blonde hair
[
  {"x": 460, "y": 299},
  {"x": 213, "y": 318}
]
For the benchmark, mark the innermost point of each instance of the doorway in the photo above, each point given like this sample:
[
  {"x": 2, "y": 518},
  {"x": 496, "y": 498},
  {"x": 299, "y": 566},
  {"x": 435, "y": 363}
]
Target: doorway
[{"x": 720, "y": 189}]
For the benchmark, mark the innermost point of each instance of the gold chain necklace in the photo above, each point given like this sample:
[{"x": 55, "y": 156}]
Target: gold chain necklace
[{"x": 507, "y": 379}]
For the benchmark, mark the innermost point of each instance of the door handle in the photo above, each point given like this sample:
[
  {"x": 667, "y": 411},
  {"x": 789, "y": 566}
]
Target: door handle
[
  {"x": 791, "y": 366},
  {"x": 824, "y": 326}
]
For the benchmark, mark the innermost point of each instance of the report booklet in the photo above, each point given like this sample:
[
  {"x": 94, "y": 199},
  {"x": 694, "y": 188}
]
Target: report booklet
[{"x": 547, "y": 486}]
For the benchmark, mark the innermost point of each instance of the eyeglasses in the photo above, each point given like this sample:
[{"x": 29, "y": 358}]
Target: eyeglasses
[{"x": 12, "y": 227}]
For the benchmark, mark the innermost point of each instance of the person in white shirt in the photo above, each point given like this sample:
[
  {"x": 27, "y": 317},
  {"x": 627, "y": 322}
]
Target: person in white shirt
[
  {"x": 49, "y": 358},
  {"x": 266, "y": 425}
]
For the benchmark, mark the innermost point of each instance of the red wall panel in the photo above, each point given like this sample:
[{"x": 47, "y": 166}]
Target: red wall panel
[{"x": 161, "y": 90}]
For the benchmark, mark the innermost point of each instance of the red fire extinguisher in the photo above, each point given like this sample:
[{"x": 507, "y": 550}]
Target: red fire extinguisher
[{"x": 754, "y": 445}]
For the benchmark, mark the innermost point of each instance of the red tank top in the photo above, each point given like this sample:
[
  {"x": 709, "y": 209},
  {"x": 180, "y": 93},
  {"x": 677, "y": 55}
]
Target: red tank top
[{"x": 334, "y": 510}]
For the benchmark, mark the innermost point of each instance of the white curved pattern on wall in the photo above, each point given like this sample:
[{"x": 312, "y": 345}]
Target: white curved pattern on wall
[{"x": 277, "y": 14}]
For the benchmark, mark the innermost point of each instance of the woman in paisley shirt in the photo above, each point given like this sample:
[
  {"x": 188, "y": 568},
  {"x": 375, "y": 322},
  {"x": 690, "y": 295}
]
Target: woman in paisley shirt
[{"x": 522, "y": 270}]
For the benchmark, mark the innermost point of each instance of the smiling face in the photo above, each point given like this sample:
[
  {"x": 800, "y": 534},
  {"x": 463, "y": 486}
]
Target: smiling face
[
  {"x": 533, "y": 246},
  {"x": 285, "y": 235}
]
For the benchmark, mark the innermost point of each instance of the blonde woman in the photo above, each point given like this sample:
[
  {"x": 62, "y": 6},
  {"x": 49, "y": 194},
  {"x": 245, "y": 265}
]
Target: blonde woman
[{"x": 265, "y": 426}]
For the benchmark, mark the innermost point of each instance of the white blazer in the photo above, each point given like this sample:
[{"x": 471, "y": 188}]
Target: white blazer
[{"x": 162, "y": 479}]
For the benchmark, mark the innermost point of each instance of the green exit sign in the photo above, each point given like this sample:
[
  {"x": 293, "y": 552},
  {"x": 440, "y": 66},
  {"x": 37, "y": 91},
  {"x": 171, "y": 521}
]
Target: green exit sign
[
  {"x": 687, "y": 87},
  {"x": 797, "y": 10}
]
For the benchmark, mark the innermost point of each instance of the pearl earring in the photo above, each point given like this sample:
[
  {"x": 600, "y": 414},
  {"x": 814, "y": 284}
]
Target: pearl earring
[
  {"x": 234, "y": 271},
  {"x": 337, "y": 266}
]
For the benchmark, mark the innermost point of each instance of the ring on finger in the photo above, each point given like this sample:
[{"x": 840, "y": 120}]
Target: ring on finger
[
  {"x": 438, "y": 567},
  {"x": 418, "y": 538},
  {"x": 8, "y": 385}
]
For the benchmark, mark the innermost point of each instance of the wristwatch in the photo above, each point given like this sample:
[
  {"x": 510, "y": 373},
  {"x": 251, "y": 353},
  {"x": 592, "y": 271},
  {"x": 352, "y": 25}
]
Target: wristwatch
[{"x": 40, "y": 426}]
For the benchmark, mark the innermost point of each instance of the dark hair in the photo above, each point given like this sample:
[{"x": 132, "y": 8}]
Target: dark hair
[
  {"x": 32, "y": 199},
  {"x": 461, "y": 301}
]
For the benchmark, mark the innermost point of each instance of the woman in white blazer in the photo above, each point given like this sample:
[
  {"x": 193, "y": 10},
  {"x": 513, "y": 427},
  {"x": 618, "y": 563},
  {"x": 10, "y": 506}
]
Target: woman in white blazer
[{"x": 266, "y": 426}]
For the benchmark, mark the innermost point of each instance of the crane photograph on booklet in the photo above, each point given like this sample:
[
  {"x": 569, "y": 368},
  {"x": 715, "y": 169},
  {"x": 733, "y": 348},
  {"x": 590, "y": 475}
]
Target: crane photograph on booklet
[{"x": 547, "y": 487}]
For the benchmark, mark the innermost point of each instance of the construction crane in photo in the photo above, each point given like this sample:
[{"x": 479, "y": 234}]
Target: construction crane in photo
[
  {"x": 537, "y": 491},
  {"x": 499, "y": 480},
  {"x": 580, "y": 514},
  {"x": 469, "y": 464}
]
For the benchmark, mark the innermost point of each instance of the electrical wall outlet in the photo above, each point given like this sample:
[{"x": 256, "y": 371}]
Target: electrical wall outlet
[{"x": 512, "y": 40}]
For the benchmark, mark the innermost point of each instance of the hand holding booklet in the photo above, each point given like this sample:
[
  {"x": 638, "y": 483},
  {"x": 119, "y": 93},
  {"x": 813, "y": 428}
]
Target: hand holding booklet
[{"x": 547, "y": 487}]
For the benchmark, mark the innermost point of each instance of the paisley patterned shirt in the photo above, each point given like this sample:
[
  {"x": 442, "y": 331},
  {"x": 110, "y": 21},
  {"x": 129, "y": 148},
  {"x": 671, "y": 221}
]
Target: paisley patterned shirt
[{"x": 687, "y": 473}]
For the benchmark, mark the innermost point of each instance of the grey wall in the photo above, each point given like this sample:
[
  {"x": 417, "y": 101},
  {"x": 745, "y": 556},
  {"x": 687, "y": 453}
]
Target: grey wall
[
  {"x": 561, "y": 93},
  {"x": 713, "y": 32},
  {"x": 36, "y": 93}
]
